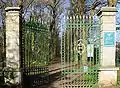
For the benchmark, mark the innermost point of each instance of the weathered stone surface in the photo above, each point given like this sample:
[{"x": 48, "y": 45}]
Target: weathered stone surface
[
  {"x": 108, "y": 71},
  {"x": 12, "y": 42}
]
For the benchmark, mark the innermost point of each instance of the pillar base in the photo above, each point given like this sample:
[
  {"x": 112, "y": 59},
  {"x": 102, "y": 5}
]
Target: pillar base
[{"x": 108, "y": 77}]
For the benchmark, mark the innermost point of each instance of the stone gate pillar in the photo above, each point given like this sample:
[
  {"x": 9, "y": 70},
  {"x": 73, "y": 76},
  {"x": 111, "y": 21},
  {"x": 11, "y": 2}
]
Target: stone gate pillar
[
  {"x": 108, "y": 71},
  {"x": 12, "y": 44}
]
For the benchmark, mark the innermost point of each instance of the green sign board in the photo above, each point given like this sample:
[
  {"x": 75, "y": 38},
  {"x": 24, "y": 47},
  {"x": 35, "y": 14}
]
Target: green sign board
[{"x": 109, "y": 39}]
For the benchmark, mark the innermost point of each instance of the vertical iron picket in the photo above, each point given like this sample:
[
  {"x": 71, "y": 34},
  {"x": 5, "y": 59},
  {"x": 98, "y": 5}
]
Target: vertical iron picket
[
  {"x": 36, "y": 54},
  {"x": 80, "y": 70}
]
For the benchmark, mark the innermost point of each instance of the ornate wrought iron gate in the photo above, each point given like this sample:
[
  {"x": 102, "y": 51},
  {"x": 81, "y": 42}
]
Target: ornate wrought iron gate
[
  {"x": 80, "y": 52},
  {"x": 36, "y": 54}
]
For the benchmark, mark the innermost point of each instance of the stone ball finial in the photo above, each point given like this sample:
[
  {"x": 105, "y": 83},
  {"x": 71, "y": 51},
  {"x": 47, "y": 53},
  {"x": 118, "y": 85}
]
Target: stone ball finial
[{"x": 111, "y": 3}]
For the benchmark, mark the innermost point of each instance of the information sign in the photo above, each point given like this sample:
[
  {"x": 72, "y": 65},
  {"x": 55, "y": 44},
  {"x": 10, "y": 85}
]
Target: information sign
[{"x": 109, "y": 38}]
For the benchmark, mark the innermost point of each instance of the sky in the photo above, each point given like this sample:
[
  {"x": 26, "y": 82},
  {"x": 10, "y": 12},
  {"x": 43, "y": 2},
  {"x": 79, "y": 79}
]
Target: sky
[
  {"x": 67, "y": 5},
  {"x": 118, "y": 15},
  {"x": 95, "y": 17},
  {"x": 118, "y": 22}
]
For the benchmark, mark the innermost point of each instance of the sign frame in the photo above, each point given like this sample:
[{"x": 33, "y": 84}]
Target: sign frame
[{"x": 109, "y": 38}]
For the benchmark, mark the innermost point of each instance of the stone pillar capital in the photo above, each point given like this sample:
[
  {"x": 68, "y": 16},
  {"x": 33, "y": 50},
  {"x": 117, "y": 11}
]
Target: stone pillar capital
[
  {"x": 107, "y": 11},
  {"x": 12, "y": 9}
]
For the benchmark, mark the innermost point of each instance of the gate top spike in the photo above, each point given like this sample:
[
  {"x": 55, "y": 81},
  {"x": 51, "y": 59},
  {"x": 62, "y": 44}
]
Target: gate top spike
[
  {"x": 67, "y": 17},
  {"x": 77, "y": 16},
  {"x": 80, "y": 17},
  {"x": 87, "y": 17},
  {"x": 83, "y": 17},
  {"x": 70, "y": 19},
  {"x": 74, "y": 17}
]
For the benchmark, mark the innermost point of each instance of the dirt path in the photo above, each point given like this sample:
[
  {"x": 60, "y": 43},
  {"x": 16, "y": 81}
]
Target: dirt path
[{"x": 55, "y": 76}]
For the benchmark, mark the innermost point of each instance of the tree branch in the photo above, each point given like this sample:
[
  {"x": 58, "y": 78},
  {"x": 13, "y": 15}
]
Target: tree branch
[{"x": 27, "y": 7}]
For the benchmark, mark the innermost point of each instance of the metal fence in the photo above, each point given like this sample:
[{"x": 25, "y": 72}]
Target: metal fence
[
  {"x": 80, "y": 52},
  {"x": 35, "y": 59}
]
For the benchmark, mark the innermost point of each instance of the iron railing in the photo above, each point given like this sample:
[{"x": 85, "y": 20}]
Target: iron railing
[{"x": 80, "y": 52}]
